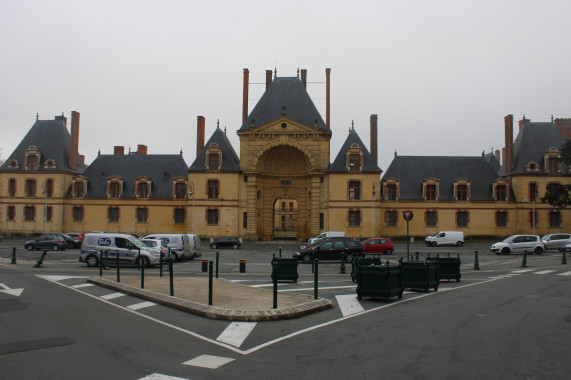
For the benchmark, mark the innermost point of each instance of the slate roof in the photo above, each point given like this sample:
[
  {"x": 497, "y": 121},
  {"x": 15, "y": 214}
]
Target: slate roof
[
  {"x": 288, "y": 92},
  {"x": 493, "y": 161},
  {"x": 411, "y": 171},
  {"x": 52, "y": 138},
  {"x": 160, "y": 168},
  {"x": 532, "y": 143},
  {"x": 340, "y": 162},
  {"x": 230, "y": 160}
]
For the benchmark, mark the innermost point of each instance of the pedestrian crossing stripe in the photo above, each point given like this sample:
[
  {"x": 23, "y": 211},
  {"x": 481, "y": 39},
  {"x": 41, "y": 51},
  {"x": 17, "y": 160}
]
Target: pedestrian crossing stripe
[
  {"x": 545, "y": 271},
  {"x": 141, "y": 305},
  {"x": 208, "y": 361},
  {"x": 236, "y": 333},
  {"x": 158, "y": 376},
  {"x": 564, "y": 274}
]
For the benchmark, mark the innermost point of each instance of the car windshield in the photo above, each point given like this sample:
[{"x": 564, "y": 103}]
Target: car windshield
[
  {"x": 137, "y": 242},
  {"x": 366, "y": 241},
  {"x": 150, "y": 243},
  {"x": 508, "y": 239}
]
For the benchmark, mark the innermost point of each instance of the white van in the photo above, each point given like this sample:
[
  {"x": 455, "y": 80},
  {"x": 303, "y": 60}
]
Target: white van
[
  {"x": 326, "y": 234},
  {"x": 127, "y": 247},
  {"x": 178, "y": 243},
  {"x": 445, "y": 238},
  {"x": 195, "y": 245}
]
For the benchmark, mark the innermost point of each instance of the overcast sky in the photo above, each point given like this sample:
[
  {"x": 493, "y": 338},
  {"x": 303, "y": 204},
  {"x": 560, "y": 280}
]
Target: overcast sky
[{"x": 441, "y": 75}]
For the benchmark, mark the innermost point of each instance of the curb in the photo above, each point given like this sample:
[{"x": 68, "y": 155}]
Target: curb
[{"x": 214, "y": 312}]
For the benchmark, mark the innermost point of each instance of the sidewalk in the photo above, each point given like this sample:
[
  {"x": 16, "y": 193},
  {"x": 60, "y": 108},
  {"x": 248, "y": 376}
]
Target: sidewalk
[{"x": 230, "y": 301}]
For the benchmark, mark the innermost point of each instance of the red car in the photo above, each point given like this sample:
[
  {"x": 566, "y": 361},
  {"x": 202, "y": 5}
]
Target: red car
[{"x": 378, "y": 245}]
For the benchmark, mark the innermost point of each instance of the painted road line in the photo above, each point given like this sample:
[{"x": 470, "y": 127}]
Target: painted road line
[
  {"x": 522, "y": 270},
  {"x": 236, "y": 333},
  {"x": 545, "y": 271},
  {"x": 141, "y": 305},
  {"x": 320, "y": 288},
  {"x": 82, "y": 286},
  {"x": 208, "y": 361},
  {"x": 158, "y": 376},
  {"x": 564, "y": 274},
  {"x": 60, "y": 278},
  {"x": 112, "y": 296},
  {"x": 348, "y": 304}
]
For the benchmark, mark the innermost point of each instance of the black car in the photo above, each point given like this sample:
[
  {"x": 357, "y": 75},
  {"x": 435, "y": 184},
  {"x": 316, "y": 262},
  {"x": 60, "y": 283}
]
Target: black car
[
  {"x": 71, "y": 242},
  {"x": 47, "y": 242},
  {"x": 229, "y": 242},
  {"x": 331, "y": 249}
]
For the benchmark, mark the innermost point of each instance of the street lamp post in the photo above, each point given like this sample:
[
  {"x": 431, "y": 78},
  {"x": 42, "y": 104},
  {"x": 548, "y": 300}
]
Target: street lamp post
[
  {"x": 191, "y": 193},
  {"x": 533, "y": 209}
]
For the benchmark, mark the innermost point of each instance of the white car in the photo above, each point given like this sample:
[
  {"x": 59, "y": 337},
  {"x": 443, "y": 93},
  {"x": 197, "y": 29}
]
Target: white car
[
  {"x": 556, "y": 241},
  {"x": 156, "y": 245},
  {"x": 519, "y": 244}
]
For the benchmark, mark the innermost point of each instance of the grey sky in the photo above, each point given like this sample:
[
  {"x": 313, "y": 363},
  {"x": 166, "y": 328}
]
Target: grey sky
[{"x": 441, "y": 75}]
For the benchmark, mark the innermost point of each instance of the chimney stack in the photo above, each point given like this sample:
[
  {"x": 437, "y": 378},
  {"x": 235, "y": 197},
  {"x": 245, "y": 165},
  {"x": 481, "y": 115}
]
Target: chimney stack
[
  {"x": 245, "y": 98},
  {"x": 374, "y": 137},
  {"x": 118, "y": 150},
  {"x": 509, "y": 131},
  {"x": 142, "y": 149},
  {"x": 564, "y": 127},
  {"x": 522, "y": 122},
  {"x": 328, "y": 97},
  {"x": 268, "y": 79},
  {"x": 497, "y": 154},
  {"x": 199, "y": 134},
  {"x": 74, "y": 143},
  {"x": 304, "y": 78}
]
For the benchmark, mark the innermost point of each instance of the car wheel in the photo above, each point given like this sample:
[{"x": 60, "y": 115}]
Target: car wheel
[
  {"x": 235, "y": 246},
  {"x": 389, "y": 252},
  {"x": 55, "y": 247},
  {"x": 174, "y": 257},
  {"x": 348, "y": 259},
  {"x": 306, "y": 259},
  {"x": 538, "y": 251},
  {"x": 213, "y": 246},
  {"x": 505, "y": 251},
  {"x": 146, "y": 262},
  {"x": 459, "y": 244},
  {"x": 92, "y": 261},
  {"x": 434, "y": 244},
  {"x": 29, "y": 247}
]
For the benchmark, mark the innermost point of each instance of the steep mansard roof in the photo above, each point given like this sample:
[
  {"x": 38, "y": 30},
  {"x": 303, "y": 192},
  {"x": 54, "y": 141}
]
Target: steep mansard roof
[
  {"x": 52, "y": 139},
  {"x": 411, "y": 171},
  {"x": 160, "y": 168},
  {"x": 285, "y": 92},
  {"x": 230, "y": 160},
  {"x": 340, "y": 162}
]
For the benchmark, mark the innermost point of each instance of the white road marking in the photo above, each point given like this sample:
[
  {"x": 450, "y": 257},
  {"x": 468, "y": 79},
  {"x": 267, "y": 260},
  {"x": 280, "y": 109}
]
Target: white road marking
[
  {"x": 545, "y": 271},
  {"x": 564, "y": 274},
  {"x": 112, "y": 296},
  {"x": 349, "y": 304},
  {"x": 208, "y": 361},
  {"x": 141, "y": 305},
  {"x": 158, "y": 376},
  {"x": 236, "y": 333},
  {"x": 325, "y": 287},
  {"x": 60, "y": 278},
  {"x": 521, "y": 271},
  {"x": 82, "y": 286}
]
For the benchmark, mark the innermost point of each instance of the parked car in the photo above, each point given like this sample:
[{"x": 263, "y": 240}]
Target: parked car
[
  {"x": 54, "y": 242},
  {"x": 71, "y": 242},
  {"x": 378, "y": 245},
  {"x": 179, "y": 244},
  {"x": 156, "y": 245},
  {"x": 519, "y": 244},
  {"x": 128, "y": 248},
  {"x": 556, "y": 241},
  {"x": 331, "y": 249},
  {"x": 228, "y": 242},
  {"x": 326, "y": 234},
  {"x": 445, "y": 238},
  {"x": 76, "y": 235}
]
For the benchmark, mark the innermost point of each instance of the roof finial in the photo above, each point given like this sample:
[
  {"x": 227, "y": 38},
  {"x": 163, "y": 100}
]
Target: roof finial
[
  {"x": 217, "y": 123},
  {"x": 181, "y": 151},
  {"x": 395, "y": 152},
  {"x": 275, "y": 72},
  {"x": 551, "y": 118},
  {"x": 353, "y": 125},
  {"x": 224, "y": 129},
  {"x": 298, "y": 73},
  {"x": 37, "y": 116},
  {"x": 99, "y": 152}
]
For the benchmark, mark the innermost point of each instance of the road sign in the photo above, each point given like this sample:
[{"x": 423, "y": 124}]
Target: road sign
[{"x": 407, "y": 215}]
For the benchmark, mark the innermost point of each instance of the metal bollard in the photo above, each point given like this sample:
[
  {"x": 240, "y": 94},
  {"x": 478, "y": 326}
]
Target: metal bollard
[
  {"x": 280, "y": 251},
  {"x": 106, "y": 259},
  {"x": 210, "y": 282},
  {"x": 275, "y": 277},
  {"x": 476, "y": 261},
  {"x": 564, "y": 258},
  {"x": 417, "y": 256},
  {"x": 13, "y": 255},
  {"x": 242, "y": 266},
  {"x": 315, "y": 279},
  {"x": 217, "y": 261},
  {"x": 342, "y": 269},
  {"x": 139, "y": 258},
  {"x": 40, "y": 263},
  {"x": 161, "y": 264},
  {"x": 117, "y": 262},
  {"x": 204, "y": 266},
  {"x": 171, "y": 275},
  {"x": 524, "y": 261},
  {"x": 142, "y": 262},
  {"x": 100, "y": 263}
]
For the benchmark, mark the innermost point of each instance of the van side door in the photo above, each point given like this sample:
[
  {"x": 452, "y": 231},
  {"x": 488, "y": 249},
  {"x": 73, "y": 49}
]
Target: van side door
[{"x": 126, "y": 250}]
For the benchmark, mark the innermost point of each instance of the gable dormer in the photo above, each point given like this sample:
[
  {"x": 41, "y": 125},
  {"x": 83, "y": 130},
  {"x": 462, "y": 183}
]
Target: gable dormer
[
  {"x": 431, "y": 189},
  {"x": 32, "y": 160},
  {"x": 500, "y": 190},
  {"x": 552, "y": 161},
  {"x": 391, "y": 189},
  {"x": 114, "y": 187},
  {"x": 354, "y": 158},
  {"x": 143, "y": 187},
  {"x": 213, "y": 157},
  {"x": 462, "y": 189},
  {"x": 79, "y": 186}
]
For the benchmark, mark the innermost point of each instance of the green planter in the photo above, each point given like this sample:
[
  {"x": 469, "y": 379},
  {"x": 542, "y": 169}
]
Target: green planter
[
  {"x": 362, "y": 261},
  {"x": 379, "y": 282},
  {"x": 420, "y": 275},
  {"x": 286, "y": 269},
  {"x": 448, "y": 267}
]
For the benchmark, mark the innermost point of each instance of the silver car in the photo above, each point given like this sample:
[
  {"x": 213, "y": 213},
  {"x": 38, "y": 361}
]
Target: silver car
[
  {"x": 556, "y": 241},
  {"x": 519, "y": 244}
]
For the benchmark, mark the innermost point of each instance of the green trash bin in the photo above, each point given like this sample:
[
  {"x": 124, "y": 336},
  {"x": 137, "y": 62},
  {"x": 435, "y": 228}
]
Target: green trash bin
[{"x": 286, "y": 269}]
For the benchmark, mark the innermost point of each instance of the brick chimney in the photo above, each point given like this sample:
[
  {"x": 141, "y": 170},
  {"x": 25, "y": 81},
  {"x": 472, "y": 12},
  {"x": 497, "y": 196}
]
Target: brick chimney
[
  {"x": 497, "y": 154},
  {"x": 245, "y": 97},
  {"x": 118, "y": 150},
  {"x": 328, "y": 97},
  {"x": 509, "y": 132},
  {"x": 200, "y": 122},
  {"x": 61, "y": 118},
  {"x": 142, "y": 149},
  {"x": 522, "y": 122},
  {"x": 268, "y": 78},
  {"x": 564, "y": 126},
  {"x": 374, "y": 137},
  {"x": 304, "y": 78},
  {"x": 74, "y": 142}
]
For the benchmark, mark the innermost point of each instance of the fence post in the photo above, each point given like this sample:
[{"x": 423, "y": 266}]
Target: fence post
[
  {"x": 100, "y": 263},
  {"x": 13, "y": 255},
  {"x": 106, "y": 259},
  {"x": 342, "y": 269},
  {"x": 476, "y": 261},
  {"x": 275, "y": 278},
  {"x": 161, "y": 264},
  {"x": 280, "y": 251},
  {"x": 217, "y": 257},
  {"x": 524, "y": 261},
  {"x": 117, "y": 262},
  {"x": 171, "y": 275},
  {"x": 316, "y": 278},
  {"x": 210, "y": 282},
  {"x": 142, "y": 263}
]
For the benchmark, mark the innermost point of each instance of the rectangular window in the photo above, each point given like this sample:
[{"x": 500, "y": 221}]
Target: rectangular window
[
  {"x": 79, "y": 190},
  {"x": 283, "y": 206},
  {"x": 49, "y": 213},
  {"x": 115, "y": 189},
  {"x": 501, "y": 192},
  {"x": 213, "y": 161},
  {"x": 49, "y": 188},
  {"x": 321, "y": 221},
  {"x": 212, "y": 189},
  {"x": 31, "y": 187},
  {"x": 461, "y": 192},
  {"x": 113, "y": 214},
  {"x": 391, "y": 217},
  {"x": 462, "y": 218},
  {"x": 430, "y": 192},
  {"x": 212, "y": 217},
  {"x": 11, "y": 212},
  {"x": 29, "y": 213},
  {"x": 553, "y": 164},
  {"x": 179, "y": 215},
  {"x": 354, "y": 218},
  {"x": 32, "y": 162},
  {"x": 78, "y": 214},
  {"x": 502, "y": 219},
  {"x": 180, "y": 190},
  {"x": 533, "y": 216},
  {"x": 354, "y": 190},
  {"x": 431, "y": 220},
  {"x": 12, "y": 187},
  {"x": 143, "y": 190},
  {"x": 392, "y": 192},
  {"x": 245, "y": 220},
  {"x": 354, "y": 161},
  {"x": 533, "y": 192},
  {"x": 142, "y": 215},
  {"x": 554, "y": 219}
]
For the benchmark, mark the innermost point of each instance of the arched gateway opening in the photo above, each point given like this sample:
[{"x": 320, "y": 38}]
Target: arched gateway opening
[{"x": 283, "y": 196}]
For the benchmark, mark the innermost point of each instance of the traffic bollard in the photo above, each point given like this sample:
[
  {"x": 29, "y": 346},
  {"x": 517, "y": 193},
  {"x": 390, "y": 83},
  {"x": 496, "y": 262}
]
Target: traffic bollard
[
  {"x": 161, "y": 264},
  {"x": 204, "y": 266},
  {"x": 342, "y": 269},
  {"x": 524, "y": 261},
  {"x": 280, "y": 251},
  {"x": 217, "y": 261},
  {"x": 564, "y": 258},
  {"x": 106, "y": 259},
  {"x": 139, "y": 258},
  {"x": 13, "y": 255},
  {"x": 171, "y": 275},
  {"x": 117, "y": 263},
  {"x": 142, "y": 262},
  {"x": 315, "y": 279},
  {"x": 417, "y": 256},
  {"x": 275, "y": 277},
  {"x": 210, "y": 283},
  {"x": 100, "y": 263},
  {"x": 476, "y": 261},
  {"x": 242, "y": 266},
  {"x": 40, "y": 263}
]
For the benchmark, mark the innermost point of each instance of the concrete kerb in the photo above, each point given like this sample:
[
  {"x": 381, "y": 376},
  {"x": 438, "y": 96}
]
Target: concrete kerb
[{"x": 214, "y": 312}]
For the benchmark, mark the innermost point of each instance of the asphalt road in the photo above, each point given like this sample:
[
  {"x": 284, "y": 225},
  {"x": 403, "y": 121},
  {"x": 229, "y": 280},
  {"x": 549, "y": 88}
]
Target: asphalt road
[{"x": 502, "y": 321}]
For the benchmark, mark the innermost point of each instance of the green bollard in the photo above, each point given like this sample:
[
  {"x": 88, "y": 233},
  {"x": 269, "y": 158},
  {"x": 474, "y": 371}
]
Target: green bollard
[
  {"x": 161, "y": 264},
  {"x": 170, "y": 255},
  {"x": 210, "y": 282},
  {"x": 142, "y": 262},
  {"x": 275, "y": 277},
  {"x": 342, "y": 269},
  {"x": 13, "y": 255},
  {"x": 171, "y": 275},
  {"x": 315, "y": 279},
  {"x": 280, "y": 251},
  {"x": 476, "y": 261},
  {"x": 139, "y": 258},
  {"x": 563, "y": 260},
  {"x": 106, "y": 259},
  {"x": 101, "y": 263},
  {"x": 416, "y": 256},
  {"x": 117, "y": 263},
  {"x": 524, "y": 261},
  {"x": 40, "y": 263},
  {"x": 217, "y": 261}
]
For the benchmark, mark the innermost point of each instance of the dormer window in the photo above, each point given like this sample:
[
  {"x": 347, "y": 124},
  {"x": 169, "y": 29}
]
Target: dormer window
[
  {"x": 391, "y": 189},
  {"x": 32, "y": 158},
  {"x": 79, "y": 187},
  {"x": 50, "y": 164},
  {"x": 114, "y": 187},
  {"x": 354, "y": 158},
  {"x": 462, "y": 189},
  {"x": 532, "y": 167},
  {"x": 143, "y": 187},
  {"x": 431, "y": 189},
  {"x": 553, "y": 161},
  {"x": 13, "y": 164},
  {"x": 213, "y": 157},
  {"x": 501, "y": 190},
  {"x": 179, "y": 188}
]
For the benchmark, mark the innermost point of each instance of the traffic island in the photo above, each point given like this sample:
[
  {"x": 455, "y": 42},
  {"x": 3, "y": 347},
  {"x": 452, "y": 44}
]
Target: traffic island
[{"x": 232, "y": 302}]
